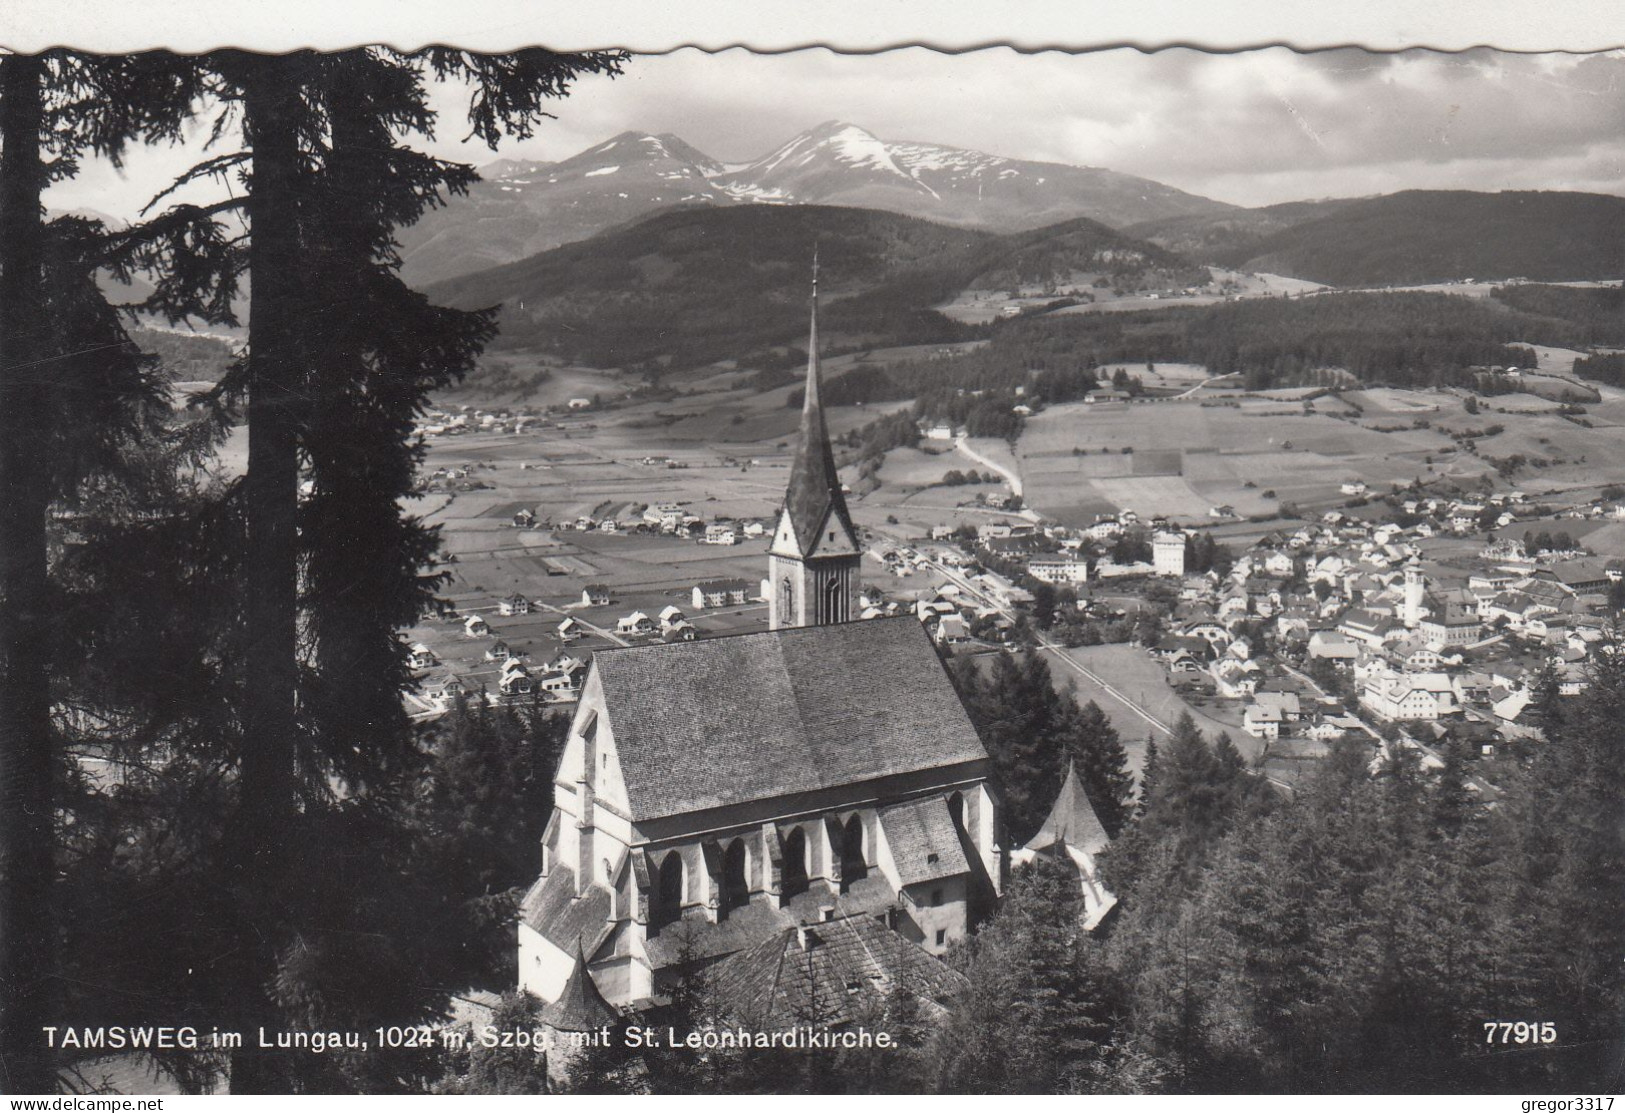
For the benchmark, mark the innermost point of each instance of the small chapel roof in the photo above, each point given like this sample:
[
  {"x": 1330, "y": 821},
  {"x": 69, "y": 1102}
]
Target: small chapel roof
[
  {"x": 580, "y": 1007},
  {"x": 727, "y": 720},
  {"x": 1072, "y": 820}
]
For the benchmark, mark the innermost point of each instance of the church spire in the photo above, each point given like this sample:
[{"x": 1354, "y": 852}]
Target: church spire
[{"x": 814, "y": 493}]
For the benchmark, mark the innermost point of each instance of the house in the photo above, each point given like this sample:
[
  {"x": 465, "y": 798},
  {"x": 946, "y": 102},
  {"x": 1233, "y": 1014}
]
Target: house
[
  {"x": 1409, "y": 696},
  {"x": 497, "y": 651},
  {"x": 513, "y": 604},
  {"x": 635, "y": 623},
  {"x": 1208, "y": 630},
  {"x": 475, "y": 627},
  {"x": 721, "y": 593},
  {"x": 595, "y": 595},
  {"x": 1261, "y": 721},
  {"x": 515, "y": 680},
  {"x": 1332, "y": 645},
  {"x": 581, "y": 403},
  {"x": 447, "y": 691},
  {"x": 569, "y": 630},
  {"x": 679, "y": 632},
  {"x": 670, "y": 616},
  {"x": 1104, "y": 395},
  {"x": 1366, "y": 626},
  {"x": 421, "y": 657},
  {"x": 1233, "y": 679},
  {"x": 1414, "y": 654},
  {"x": 524, "y": 519},
  {"x": 952, "y": 630},
  {"x": 721, "y": 533},
  {"x": 1069, "y": 569}
]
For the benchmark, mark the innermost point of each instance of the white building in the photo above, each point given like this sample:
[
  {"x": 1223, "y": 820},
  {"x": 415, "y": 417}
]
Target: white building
[
  {"x": 1168, "y": 554},
  {"x": 1064, "y": 569}
]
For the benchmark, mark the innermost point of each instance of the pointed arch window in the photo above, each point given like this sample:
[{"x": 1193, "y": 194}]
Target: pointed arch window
[
  {"x": 854, "y": 867},
  {"x": 787, "y": 601},
  {"x": 668, "y": 891},
  {"x": 833, "y": 597},
  {"x": 735, "y": 876},
  {"x": 793, "y": 880}
]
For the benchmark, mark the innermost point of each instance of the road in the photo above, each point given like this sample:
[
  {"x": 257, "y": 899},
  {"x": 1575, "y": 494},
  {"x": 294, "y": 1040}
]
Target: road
[
  {"x": 1057, "y": 651},
  {"x": 1010, "y": 477}
]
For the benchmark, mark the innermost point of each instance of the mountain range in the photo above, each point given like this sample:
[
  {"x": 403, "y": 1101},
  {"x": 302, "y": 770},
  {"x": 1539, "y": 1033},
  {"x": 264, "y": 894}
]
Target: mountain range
[
  {"x": 691, "y": 285},
  {"x": 1413, "y": 237},
  {"x": 522, "y": 208}
]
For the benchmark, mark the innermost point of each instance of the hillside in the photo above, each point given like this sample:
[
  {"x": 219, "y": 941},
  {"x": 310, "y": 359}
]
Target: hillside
[
  {"x": 1231, "y": 237},
  {"x": 1071, "y": 250},
  {"x": 522, "y": 208},
  {"x": 186, "y": 356},
  {"x": 1423, "y": 236},
  {"x": 691, "y": 286}
]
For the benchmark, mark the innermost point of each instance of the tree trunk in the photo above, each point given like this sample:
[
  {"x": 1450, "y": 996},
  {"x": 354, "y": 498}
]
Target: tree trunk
[
  {"x": 27, "y": 796},
  {"x": 276, "y": 393}
]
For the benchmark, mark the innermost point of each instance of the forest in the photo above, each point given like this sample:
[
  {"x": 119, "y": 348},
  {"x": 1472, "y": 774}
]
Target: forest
[
  {"x": 218, "y": 811},
  {"x": 1364, "y": 935}
]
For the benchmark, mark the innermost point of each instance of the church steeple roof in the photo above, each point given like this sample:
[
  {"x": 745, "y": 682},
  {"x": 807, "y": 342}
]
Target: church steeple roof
[{"x": 815, "y": 485}]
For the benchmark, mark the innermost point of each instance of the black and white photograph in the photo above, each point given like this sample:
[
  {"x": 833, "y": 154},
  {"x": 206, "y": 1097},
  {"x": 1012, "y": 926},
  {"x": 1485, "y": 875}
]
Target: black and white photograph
[{"x": 580, "y": 569}]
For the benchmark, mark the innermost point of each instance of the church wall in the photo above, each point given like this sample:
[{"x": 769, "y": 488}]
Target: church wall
[
  {"x": 614, "y": 980},
  {"x": 543, "y": 968},
  {"x": 985, "y": 833},
  {"x": 951, "y": 917}
]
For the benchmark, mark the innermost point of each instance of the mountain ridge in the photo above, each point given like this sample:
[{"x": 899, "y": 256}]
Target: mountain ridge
[{"x": 526, "y": 207}]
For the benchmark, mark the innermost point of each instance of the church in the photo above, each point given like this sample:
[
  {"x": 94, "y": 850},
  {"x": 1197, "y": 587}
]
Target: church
[{"x": 819, "y": 780}]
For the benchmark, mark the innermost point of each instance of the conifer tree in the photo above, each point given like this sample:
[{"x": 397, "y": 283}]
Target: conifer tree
[{"x": 72, "y": 393}]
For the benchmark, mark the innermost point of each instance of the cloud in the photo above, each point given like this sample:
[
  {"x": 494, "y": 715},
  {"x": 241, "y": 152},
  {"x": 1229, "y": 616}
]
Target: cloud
[{"x": 1254, "y": 127}]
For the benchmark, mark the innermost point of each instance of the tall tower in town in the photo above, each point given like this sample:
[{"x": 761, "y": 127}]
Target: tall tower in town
[
  {"x": 1415, "y": 591},
  {"x": 812, "y": 565}
]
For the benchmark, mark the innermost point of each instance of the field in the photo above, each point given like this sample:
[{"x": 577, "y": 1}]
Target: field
[
  {"x": 1134, "y": 674},
  {"x": 1226, "y": 456}
]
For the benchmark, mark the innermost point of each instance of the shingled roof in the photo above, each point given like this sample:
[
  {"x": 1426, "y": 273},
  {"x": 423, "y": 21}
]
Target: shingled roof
[
  {"x": 815, "y": 485},
  {"x": 1072, "y": 820},
  {"x": 552, "y": 909},
  {"x": 844, "y": 971},
  {"x": 722, "y": 721},
  {"x": 580, "y": 1007},
  {"x": 924, "y": 841}
]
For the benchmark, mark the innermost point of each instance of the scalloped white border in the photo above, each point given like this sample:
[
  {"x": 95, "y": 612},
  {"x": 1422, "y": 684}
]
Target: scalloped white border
[{"x": 856, "y": 25}]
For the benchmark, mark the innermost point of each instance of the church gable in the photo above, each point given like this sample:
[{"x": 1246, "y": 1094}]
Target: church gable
[
  {"x": 592, "y": 741},
  {"x": 833, "y": 537}
]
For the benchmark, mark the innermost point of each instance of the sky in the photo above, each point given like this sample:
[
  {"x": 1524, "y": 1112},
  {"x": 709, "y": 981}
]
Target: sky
[{"x": 1250, "y": 128}]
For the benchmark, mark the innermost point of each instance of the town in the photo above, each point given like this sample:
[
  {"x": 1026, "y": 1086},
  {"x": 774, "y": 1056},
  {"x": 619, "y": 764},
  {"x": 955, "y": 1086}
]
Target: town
[{"x": 1416, "y": 619}]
